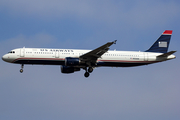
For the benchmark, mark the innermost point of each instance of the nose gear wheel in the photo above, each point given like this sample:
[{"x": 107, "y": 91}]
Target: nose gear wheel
[{"x": 21, "y": 70}]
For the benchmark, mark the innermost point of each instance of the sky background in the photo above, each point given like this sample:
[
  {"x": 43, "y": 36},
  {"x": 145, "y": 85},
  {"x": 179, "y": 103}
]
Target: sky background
[{"x": 44, "y": 93}]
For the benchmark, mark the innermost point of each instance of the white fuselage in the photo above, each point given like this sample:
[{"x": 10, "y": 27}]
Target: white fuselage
[
  {"x": 57, "y": 57},
  {"x": 72, "y": 60}
]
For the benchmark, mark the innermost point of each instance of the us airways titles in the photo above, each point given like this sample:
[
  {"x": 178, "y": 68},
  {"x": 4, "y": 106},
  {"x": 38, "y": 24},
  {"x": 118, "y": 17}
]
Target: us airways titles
[{"x": 56, "y": 50}]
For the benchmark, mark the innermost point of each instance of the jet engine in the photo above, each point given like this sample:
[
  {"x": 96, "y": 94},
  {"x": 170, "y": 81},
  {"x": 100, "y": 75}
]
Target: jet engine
[
  {"x": 69, "y": 69},
  {"x": 69, "y": 61}
]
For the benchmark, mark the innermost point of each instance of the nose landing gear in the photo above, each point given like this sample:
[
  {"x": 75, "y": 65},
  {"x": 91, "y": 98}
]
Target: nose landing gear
[{"x": 21, "y": 70}]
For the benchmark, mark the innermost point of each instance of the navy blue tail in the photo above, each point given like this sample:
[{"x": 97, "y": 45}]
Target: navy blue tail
[{"x": 162, "y": 43}]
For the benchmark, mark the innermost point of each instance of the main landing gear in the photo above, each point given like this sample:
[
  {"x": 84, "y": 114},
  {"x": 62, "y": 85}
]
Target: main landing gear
[
  {"x": 89, "y": 70},
  {"x": 21, "y": 70}
]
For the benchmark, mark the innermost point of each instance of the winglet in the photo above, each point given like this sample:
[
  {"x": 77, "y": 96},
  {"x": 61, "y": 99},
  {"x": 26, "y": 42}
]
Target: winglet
[{"x": 114, "y": 42}]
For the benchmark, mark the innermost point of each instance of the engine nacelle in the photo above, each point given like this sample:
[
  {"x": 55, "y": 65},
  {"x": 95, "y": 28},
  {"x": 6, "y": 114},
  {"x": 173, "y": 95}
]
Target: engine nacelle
[
  {"x": 69, "y": 69},
  {"x": 69, "y": 61}
]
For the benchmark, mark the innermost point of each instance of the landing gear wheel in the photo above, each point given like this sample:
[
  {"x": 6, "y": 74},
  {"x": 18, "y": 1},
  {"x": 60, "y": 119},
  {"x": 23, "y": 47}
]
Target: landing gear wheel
[
  {"x": 86, "y": 74},
  {"x": 90, "y": 69},
  {"x": 21, "y": 70}
]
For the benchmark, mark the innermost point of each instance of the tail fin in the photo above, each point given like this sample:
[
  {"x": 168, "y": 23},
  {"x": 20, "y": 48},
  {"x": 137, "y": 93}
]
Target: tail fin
[{"x": 162, "y": 43}]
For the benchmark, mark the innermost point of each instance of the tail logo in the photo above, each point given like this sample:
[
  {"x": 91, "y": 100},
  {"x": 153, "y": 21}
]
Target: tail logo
[{"x": 162, "y": 44}]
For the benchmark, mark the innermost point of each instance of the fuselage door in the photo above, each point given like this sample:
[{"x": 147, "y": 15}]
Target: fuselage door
[
  {"x": 57, "y": 54},
  {"x": 145, "y": 56},
  {"x": 22, "y": 52}
]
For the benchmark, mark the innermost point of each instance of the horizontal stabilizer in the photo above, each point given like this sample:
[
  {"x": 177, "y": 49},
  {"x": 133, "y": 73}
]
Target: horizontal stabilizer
[{"x": 166, "y": 54}]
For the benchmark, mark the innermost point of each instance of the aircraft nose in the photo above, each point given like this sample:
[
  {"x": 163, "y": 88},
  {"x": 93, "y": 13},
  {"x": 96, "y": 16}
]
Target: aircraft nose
[{"x": 4, "y": 58}]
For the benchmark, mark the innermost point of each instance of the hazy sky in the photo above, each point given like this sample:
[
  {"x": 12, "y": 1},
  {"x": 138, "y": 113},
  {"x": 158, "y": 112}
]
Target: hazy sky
[{"x": 44, "y": 93}]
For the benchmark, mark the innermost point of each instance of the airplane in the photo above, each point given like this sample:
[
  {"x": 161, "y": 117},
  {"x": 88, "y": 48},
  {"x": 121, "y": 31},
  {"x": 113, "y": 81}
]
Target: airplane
[{"x": 73, "y": 60}]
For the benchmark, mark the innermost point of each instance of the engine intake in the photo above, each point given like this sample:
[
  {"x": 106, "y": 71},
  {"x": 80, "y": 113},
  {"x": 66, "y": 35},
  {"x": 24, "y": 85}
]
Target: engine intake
[
  {"x": 69, "y": 69},
  {"x": 69, "y": 61}
]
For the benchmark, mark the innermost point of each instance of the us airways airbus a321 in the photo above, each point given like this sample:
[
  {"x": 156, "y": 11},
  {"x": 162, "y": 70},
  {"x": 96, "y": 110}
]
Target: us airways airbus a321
[{"x": 72, "y": 60}]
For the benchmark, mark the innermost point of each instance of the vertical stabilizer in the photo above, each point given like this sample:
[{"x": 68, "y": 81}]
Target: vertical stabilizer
[{"x": 162, "y": 43}]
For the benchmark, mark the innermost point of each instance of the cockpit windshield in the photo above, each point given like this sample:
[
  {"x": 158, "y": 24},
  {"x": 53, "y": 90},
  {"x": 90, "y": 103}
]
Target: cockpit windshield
[{"x": 11, "y": 52}]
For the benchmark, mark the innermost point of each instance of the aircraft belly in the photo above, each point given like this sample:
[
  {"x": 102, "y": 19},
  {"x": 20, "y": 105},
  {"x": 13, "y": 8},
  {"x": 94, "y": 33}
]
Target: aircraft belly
[
  {"x": 121, "y": 64},
  {"x": 39, "y": 61}
]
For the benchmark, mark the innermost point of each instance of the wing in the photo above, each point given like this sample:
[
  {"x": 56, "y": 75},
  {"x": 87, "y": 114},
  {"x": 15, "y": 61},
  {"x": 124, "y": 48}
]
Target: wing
[{"x": 92, "y": 56}]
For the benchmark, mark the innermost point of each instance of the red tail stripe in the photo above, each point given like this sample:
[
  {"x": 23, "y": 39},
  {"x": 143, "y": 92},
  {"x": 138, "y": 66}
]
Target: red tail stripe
[{"x": 167, "y": 32}]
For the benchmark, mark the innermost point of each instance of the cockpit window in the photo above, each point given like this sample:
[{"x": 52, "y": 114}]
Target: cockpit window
[{"x": 11, "y": 52}]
